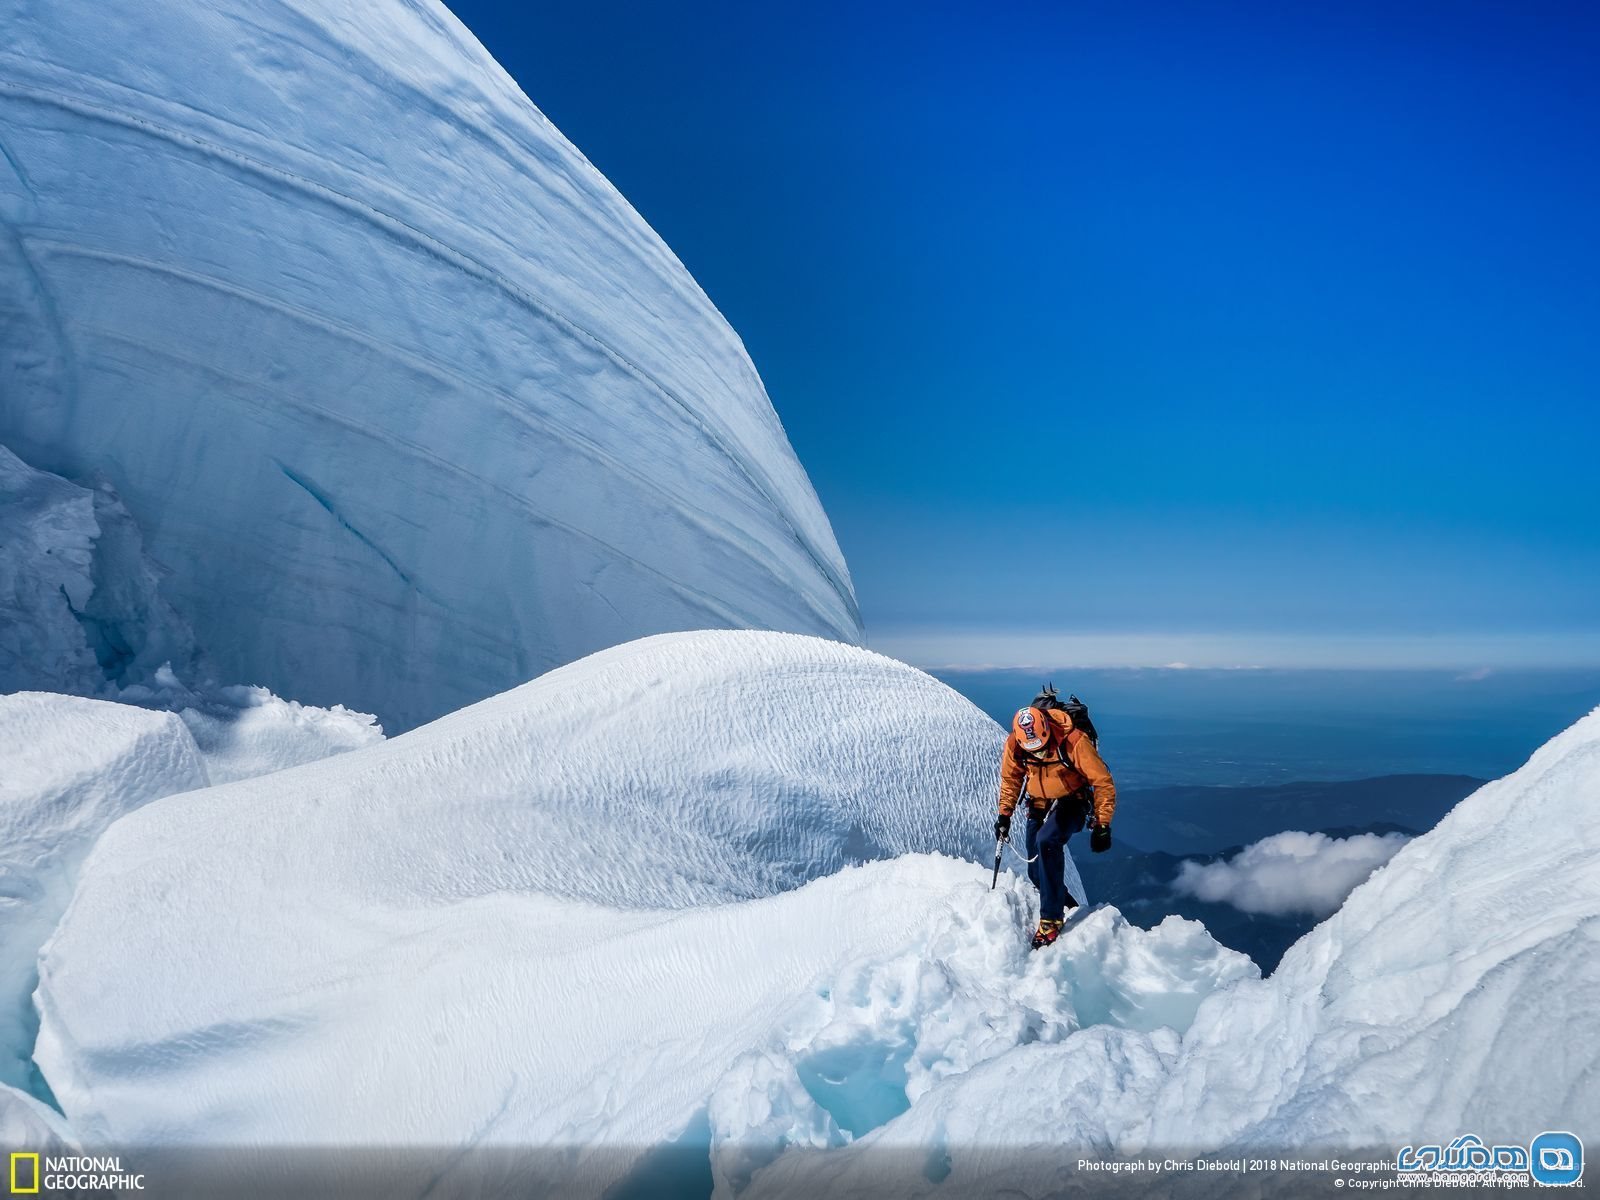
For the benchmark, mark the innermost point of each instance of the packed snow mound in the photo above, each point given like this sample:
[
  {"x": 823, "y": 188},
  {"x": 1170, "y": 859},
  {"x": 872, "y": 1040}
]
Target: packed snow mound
[
  {"x": 886, "y": 1033},
  {"x": 72, "y": 767},
  {"x": 1451, "y": 994},
  {"x": 27, "y": 1124},
  {"x": 242, "y": 732},
  {"x": 409, "y": 399},
  {"x": 517, "y": 1020},
  {"x": 680, "y": 770},
  {"x": 80, "y": 605}
]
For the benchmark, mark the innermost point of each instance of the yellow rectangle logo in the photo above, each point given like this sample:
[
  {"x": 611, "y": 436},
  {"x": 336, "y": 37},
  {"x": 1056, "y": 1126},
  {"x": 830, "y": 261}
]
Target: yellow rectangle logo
[{"x": 16, "y": 1189}]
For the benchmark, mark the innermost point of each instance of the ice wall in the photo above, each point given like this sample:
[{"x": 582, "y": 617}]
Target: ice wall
[
  {"x": 410, "y": 401},
  {"x": 81, "y": 608}
]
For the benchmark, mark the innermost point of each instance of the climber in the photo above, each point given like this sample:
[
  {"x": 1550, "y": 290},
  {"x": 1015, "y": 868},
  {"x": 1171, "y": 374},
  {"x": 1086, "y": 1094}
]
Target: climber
[{"x": 1051, "y": 758}]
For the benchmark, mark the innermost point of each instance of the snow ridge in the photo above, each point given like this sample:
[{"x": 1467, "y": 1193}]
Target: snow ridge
[{"x": 501, "y": 930}]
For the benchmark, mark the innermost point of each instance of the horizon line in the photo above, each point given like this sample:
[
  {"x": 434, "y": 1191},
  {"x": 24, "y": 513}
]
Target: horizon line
[{"x": 1481, "y": 654}]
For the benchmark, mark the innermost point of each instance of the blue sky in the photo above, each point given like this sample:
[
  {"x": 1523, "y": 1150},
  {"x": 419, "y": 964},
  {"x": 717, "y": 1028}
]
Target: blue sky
[{"x": 1276, "y": 325}]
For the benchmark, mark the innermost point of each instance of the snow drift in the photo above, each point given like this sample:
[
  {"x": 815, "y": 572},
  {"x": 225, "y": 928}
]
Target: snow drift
[
  {"x": 73, "y": 766},
  {"x": 505, "y": 912},
  {"x": 411, "y": 401},
  {"x": 567, "y": 919},
  {"x": 1450, "y": 994}
]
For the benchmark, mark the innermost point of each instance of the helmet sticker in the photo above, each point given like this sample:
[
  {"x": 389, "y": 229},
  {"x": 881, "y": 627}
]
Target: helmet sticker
[{"x": 1031, "y": 728}]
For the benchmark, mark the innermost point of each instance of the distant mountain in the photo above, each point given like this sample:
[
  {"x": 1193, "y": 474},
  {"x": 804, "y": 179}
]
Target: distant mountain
[{"x": 1194, "y": 820}]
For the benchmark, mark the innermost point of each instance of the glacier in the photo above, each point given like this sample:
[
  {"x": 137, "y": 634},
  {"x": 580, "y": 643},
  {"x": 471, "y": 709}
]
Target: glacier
[
  {"x": 81, "y": 605},
  {"x": 715, "y": 894},
  {"x": 408, "y": 400}
]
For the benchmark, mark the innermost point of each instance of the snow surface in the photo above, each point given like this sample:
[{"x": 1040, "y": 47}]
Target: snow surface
[
  {"x": 412, "y": 401},
  {"x": 676, "y": 770},
  {"x": 242, "y": 732},
  {"x": 73, "y": 766},
  {"x": 568, "y": 918},
  {"x": 600, "y": 802},
  {"x": 1452, "y": 993},
  {"x": 26, "y": 1123}
]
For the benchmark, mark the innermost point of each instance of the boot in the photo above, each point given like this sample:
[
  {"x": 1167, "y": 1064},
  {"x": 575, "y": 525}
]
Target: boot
[{"x": 1046, "y": 934}]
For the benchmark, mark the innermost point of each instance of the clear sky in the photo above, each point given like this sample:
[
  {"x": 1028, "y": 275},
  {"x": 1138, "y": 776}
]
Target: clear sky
[{"x": 1276, "y": 324}]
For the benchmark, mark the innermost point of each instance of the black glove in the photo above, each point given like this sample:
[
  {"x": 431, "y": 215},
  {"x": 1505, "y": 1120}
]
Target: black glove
[
  {"x": 1002, "y": 827},
  {"x": 1100, "y": 839}
]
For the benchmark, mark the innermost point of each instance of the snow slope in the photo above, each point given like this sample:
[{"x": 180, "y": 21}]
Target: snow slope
[
  {"x": 676, "y": 770},
  {"x": 1451, "y": 994},
  {"x": 600, "y": 802},
  {"x": 411, "y": 401},
  {"x": 559, "y": 919},
  {"x": 513, "y": 1020},
  {"x": 73, "y": 766},
  {"x": 25, "y": 1122}
]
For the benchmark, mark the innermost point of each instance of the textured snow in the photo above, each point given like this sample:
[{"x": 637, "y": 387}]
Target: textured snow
[
  {"x": 587, "y": 818},
  {"x": 1449, "y": 993},
  {"x": 80, "y": 606},
  {"x": 409, "y": 398},
  {"x": 242, "y": 732},
  {"x": 679, "y": 769},
  {"x": 584, "y": 916},
  {"x": 73, "y": 766},
  {"x": 1452, "y": 993},
  {"x": 886, "y": 1034},
  {"x": 26, "y": 1122}
]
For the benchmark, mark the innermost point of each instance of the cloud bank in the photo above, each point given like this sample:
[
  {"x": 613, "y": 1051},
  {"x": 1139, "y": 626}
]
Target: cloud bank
[{"x": 1291, "y": 872}]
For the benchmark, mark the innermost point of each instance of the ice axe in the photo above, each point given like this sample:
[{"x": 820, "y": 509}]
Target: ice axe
[{"x": 1000, "y": 842}]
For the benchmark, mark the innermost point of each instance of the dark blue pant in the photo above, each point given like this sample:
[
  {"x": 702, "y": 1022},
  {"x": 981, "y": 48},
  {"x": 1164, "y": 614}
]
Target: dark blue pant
[{"x": 1046, "y": 841}]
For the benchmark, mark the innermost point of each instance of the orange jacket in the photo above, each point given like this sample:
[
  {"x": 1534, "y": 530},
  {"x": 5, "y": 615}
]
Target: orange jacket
[{"x": 1068, "y": 764}]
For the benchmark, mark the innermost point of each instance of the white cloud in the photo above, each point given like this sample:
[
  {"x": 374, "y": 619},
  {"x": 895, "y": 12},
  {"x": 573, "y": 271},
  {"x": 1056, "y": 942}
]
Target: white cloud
[{"x": 1291, "y": 872}]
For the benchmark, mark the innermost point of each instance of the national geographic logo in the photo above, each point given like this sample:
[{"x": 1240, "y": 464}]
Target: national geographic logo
[
  {"x": 24, "y": 1174},
  {"x": 32, "y": 1174}
]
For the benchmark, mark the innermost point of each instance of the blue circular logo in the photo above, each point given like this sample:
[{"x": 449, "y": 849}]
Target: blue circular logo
[{"x": 1556, "y": 1159}]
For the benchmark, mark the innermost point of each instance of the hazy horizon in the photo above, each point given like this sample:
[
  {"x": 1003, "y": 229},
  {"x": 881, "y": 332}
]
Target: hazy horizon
[
  {"x": 1467, "y": 653},
  {"x": 1256, "y": 727}
]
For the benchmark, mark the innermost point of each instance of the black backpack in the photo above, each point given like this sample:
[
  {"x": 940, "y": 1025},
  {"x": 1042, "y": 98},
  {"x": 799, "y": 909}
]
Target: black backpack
[{"x": 1073, "y": 707}]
